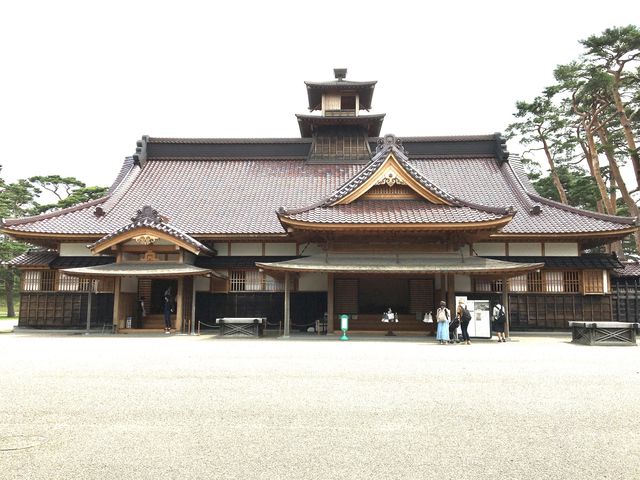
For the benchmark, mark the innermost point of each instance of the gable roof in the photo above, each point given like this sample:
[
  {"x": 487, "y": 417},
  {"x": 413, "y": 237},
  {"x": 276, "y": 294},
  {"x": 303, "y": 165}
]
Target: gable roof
[
  {"x": 146, "y": 221},
  {"x": 208, "y": 192},
  {"x": 390, "y": 165}
]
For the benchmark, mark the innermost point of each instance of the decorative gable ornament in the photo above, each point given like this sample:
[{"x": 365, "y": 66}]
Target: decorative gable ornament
[
  {"x": 148, "y": 214},
  {"x": 145, "y": 239}
]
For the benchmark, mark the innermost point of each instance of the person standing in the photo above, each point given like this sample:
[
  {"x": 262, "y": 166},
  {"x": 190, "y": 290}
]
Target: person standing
[
  {"x": 142, "y": 312},
  {"x": 465, "y": 317},
  {"x": 499, "y": 319},
  {"x": 168, "y": 308},
  {"x": 443, "y": 316}
]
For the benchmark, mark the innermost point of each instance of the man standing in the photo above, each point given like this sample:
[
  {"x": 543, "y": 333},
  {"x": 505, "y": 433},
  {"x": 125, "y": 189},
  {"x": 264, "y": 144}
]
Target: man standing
[{"x": 168, "y": 309}]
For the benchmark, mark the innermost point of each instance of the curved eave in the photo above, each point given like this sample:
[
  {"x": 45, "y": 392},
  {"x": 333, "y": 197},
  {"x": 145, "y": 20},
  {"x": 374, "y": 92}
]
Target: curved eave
[
  {"x": 426, "y": 227},
  {"x": 565, "y": 235},
  {"x": 166, "y": 270},
  {"x": 373, "y": 265},
  {"x": 57, "y": 236}
]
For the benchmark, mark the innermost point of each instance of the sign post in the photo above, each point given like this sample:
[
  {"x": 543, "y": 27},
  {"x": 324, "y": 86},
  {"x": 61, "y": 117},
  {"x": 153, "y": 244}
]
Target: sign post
[{"x": 344, "y": 326}]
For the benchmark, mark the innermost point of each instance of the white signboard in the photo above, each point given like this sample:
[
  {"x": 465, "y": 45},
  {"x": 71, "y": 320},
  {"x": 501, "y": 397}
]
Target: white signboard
[{"x": 480, "y": 324}]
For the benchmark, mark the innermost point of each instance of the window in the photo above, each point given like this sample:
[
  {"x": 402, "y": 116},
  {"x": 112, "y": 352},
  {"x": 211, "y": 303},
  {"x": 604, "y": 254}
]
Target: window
[
  {"x": 554, "y": 282},
  {"x": 547, "y": 282},
  {"x": 31, "y": 280},
  {"x": 518, "y": 284},
  {"x": 534, "y": 282},
  {"x": 348, "y": 102},
  {"x": 254, "y": 281},
  {"x": 593, "y": 281},
  {"x": 488, "y": 285}
]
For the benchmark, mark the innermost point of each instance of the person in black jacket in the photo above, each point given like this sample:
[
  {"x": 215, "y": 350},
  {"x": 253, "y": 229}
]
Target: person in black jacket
[{"x": 465, "y": 317}]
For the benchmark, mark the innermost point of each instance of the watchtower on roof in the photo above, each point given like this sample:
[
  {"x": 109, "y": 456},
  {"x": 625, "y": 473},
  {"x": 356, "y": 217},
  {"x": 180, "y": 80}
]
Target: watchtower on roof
[{"x": 340, "y": 133}]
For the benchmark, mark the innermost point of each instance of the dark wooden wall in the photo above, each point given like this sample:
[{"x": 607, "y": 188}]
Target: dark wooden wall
[
  {"x": 64, "y": 309},
  {"x": 625, "y": 299},
  {"x": 530, "y": 311},
  {"x": 306, "y": 307}
]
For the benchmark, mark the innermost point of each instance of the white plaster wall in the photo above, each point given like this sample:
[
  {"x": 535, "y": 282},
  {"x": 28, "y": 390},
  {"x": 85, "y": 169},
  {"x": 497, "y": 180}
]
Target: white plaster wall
[
  {"x": 238, "y": 249},
  {"x": 222, "y": 249},
  {"x": 484, "y": 248},
  {"x": 561, "y": 249},
  {"x": 463, "y": 283},
  {"x": 313, "y": 282},
  {"x": 310, "y": 249},
  {"x": 201, "y": 284},
  {"x": 74, "y": 250},
  {"x": 527, "y": 249},
  {"x": 129, "y": 285},
  {"x": 280, "y": 249},
  {"x": 605, "y": 281}
]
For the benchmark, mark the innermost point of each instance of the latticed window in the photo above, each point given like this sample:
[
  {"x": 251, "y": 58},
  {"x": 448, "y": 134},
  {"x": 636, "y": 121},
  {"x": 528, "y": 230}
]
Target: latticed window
[
  {"x": 48, "y": 280},
  {"x": 518, "y": 284},
  {"x": 68, "y": 283},
  {"x": 254, "y": 281},
  {"x": 554, "y": 282},
  {"x": 31, "y": 280},
  {"x": 571, "y": 282},
  {"x": 488, "y": 285},
  {"x": 593, "y": 281},
  {"x": 534, "y": 282}
]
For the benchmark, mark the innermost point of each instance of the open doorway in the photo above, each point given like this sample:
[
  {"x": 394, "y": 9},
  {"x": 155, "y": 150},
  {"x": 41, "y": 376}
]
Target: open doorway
[{"x": 153, "y": 292}]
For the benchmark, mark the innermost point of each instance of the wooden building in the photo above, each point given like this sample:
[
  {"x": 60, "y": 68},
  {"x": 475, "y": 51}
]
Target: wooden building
[{"x": 340, "y": 220}]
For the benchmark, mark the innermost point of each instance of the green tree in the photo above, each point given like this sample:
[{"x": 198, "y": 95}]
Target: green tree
[{"x": 20, "y": 199}]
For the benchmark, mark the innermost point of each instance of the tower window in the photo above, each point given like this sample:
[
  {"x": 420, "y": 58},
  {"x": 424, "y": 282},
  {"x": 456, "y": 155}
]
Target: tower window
[{"x": 348, "y": 102}]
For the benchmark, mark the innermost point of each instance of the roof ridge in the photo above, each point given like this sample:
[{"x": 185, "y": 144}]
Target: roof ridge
[{"x": 228, "y": 140}]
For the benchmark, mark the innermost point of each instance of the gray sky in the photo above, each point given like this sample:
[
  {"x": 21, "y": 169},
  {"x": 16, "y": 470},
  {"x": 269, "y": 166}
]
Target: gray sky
[{"x": 82, "y": 81}]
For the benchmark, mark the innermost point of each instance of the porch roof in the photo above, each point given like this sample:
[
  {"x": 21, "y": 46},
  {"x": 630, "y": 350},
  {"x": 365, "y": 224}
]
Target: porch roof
[
  {"x": 161, "y": 269},
  {"x": 401, "y": 263}
]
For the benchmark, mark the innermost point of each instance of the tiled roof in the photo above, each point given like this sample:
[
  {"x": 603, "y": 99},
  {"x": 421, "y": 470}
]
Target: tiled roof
[
  {"x": 76, "y": 262},
  {"x": 629, "y": 269},
  {"x": 393, "y": 211},
  {"x": 587, "y": 261},
  {"x": 208, "y": 195},
  {"x": 33, "y": 258},
  {"x": 150, "y": 219},
  {"x": 238, "y": 261}
]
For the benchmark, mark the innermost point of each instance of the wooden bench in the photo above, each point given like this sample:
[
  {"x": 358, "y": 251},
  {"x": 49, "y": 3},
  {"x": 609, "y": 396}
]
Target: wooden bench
[
  {"x": 603, "y": 333},
  {"x": 241, "y": 326}
]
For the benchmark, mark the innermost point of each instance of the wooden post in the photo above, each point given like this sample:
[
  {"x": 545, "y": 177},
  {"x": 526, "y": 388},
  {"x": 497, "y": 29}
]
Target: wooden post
[
  {"x": 330, "y": 300},
  {"x": 505, "y": 304},
  {"x": 451, "y": 292},
  {"x": 193, "y": 308},
  {"x": 179, "y": 304},
  {"x": 287, "y": 288},
  {"x": 116, "y": 303}
]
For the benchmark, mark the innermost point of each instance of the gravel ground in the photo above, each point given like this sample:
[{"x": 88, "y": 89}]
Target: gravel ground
[{"x": 156, "y": 407}]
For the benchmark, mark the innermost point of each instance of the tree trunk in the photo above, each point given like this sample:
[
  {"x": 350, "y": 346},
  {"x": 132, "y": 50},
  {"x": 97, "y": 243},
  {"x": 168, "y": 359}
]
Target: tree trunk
[
  {"x": 626, "y": 125},
  {"x": 552, "y": 168},
  {"x": 617, "y": 176},
  {"x": 8, "y": 286},
  {"x": 594, "y": 167}
]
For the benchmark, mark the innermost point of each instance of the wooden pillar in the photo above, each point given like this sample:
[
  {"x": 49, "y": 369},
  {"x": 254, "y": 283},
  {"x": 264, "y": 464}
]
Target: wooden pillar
[
  {"x": 330, "y": 300},
  {"x": 193, "y": 308},
  {"x": 116, "y": 302},
  {"x": 287, "y": 305},
  {"x": 179, "y": 304},
  {"x": 505, "y": 304},
  {"x": 451, "y": 292}
]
